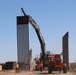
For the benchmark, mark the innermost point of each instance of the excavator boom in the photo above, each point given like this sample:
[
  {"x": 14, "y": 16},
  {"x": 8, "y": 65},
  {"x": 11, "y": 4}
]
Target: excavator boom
[{"x": 40, "y": 37}]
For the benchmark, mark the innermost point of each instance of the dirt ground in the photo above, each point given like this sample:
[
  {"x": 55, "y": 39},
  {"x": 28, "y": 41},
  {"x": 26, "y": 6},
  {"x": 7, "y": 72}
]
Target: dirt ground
[{"x": 12, "y": 72}]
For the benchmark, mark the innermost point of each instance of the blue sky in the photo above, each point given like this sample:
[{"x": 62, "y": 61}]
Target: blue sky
[{"x": 54, "y": 17}]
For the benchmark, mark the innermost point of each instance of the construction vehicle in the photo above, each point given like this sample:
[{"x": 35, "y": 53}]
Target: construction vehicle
[{"x": 53, "y": 62}]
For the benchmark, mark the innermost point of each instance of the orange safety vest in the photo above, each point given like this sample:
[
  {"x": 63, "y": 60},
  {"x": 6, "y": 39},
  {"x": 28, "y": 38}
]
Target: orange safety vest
[
  {"x": 17, "y": 65},
  {"x": 41, "y": 65}
]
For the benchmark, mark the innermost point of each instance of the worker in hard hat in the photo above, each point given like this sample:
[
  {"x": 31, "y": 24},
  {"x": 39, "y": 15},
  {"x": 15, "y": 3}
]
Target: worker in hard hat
[
  {"x": 41, "y": 66},
  {"x": 17, "y": 68}
]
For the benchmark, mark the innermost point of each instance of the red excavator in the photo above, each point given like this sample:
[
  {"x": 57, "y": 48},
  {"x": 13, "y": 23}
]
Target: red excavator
[{"x": 53, "y": 62}]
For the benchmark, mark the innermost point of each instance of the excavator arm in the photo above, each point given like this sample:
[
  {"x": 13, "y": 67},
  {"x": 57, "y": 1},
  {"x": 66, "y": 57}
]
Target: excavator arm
[{"x": 40, "y": 37}]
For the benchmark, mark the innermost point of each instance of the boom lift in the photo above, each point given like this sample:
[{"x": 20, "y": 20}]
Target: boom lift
[{"x": 54, "y": 61}]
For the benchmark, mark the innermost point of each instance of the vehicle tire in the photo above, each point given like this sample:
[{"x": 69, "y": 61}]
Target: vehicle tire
[
  {"x": 65, "y": 68},
  {"x": 49, "y": 69},
  {"x": 60, "y": 69},
  {"x": 37, "y": 68}
]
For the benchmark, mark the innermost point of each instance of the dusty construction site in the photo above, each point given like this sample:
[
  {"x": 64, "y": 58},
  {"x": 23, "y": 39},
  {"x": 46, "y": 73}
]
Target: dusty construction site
[
  {"x": 38, "y": 39},
  {"x": 55, "y": 66}
]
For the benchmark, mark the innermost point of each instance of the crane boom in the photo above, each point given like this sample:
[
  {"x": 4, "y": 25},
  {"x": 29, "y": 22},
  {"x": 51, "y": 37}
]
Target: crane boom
[{"x": 40, "y": 37}]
